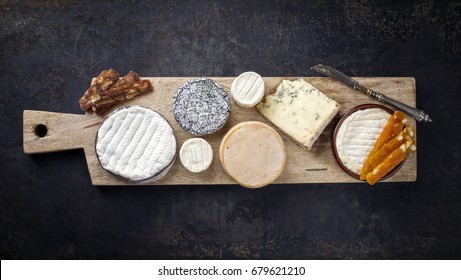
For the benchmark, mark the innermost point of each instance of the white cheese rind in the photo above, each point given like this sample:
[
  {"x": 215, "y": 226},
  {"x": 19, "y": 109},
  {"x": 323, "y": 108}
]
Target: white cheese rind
[
  {"x": 196, "y": 155},
  {"x": 247, "y": 89},
  {"x": 300, "y": 110},
  {"x": 358, "y": 134},
  {"x": 136, "y": 143}
]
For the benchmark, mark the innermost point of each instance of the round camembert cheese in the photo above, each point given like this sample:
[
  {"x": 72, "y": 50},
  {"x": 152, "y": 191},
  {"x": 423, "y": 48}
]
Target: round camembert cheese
[
  {"x": 358, "y": 134},
  {"x": 196, "y": 155},
  {"x": 248, "y": 89},
  {"x": 253, "y": 154},
  {"x": 201, "y": 106},
  {"x": 137, "y": 144}
]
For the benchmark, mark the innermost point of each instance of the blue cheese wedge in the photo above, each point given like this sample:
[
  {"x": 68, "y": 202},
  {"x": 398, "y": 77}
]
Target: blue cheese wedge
[
  {"x": 196, "y": 155},
  {"x": 201, "y": 106},
  {"x": 137, "y": 144},
  {"x": 300, "y": 110},
  {"x": 247, "y": 89}
]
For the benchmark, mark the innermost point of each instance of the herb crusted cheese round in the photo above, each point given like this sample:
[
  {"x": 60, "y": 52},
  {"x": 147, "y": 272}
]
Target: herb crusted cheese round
[
  {"x": 137, "y": 144},
  {"x": 201, "y": 106}
]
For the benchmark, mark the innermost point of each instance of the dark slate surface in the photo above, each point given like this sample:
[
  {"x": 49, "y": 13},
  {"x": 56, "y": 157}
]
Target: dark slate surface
[{"x": 49, "y": 50}]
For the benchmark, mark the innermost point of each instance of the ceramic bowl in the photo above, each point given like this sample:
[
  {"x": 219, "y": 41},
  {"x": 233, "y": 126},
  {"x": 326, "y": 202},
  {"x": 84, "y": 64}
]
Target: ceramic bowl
[{"x": 343, "y": 118}]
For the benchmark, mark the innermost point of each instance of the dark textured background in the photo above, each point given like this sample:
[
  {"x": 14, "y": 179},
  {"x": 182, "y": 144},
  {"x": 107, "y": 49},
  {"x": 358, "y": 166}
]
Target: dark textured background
[{"x": 49, "y": 50}]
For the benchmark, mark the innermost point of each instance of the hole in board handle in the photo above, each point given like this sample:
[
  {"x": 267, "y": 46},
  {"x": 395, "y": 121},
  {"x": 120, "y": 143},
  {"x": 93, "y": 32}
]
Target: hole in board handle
[{"x": 40, "y": 130}]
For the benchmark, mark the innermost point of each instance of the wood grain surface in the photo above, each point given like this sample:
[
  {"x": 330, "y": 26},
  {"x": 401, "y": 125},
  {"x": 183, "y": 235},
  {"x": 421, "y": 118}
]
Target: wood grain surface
[{"x": 72, "y": 131}]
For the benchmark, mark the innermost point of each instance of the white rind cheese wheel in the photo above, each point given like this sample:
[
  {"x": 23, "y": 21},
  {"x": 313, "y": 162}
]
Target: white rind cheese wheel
[
  {"x": 137, "y": 144},
  {"x": 248, "y": 89},
  {"x": 358, "y": 134},
  {"x": 201, "y": 106},
  {"x": 196, "y": 155},
  {"x": 253, "y": 154}
]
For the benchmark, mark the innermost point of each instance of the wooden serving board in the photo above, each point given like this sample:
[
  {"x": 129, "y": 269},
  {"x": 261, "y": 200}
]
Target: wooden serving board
[{"x": 72, "y": 131}]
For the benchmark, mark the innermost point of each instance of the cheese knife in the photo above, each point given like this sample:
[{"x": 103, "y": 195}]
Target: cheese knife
[{"x": 419, "y": 115}]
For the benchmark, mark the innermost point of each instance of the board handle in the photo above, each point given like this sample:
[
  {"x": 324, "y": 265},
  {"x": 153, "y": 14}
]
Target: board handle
[{"x": 45, "y": 132}]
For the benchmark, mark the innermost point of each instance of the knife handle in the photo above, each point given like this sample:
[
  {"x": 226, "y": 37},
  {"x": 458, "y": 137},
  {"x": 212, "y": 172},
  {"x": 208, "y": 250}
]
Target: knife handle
[{"x": 419, "y": 115}]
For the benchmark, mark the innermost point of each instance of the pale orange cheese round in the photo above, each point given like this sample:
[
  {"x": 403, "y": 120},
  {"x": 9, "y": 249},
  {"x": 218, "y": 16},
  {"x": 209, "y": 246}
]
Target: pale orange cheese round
[{"x": 253, "y": 154}]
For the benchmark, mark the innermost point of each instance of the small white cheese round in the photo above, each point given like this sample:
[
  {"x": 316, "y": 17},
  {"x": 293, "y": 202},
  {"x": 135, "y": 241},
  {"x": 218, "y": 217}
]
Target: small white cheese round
[
  {"x": 196, "y": 155},
  {"x": 247, "y": 90},
  {"x": 137, "y": 144},
  {"x": 357, "y": 136},
  {"x": 253, "y": 154}
]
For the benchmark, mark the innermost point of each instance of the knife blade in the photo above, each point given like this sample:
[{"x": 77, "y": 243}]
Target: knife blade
[{"x": 419, "y": 115}]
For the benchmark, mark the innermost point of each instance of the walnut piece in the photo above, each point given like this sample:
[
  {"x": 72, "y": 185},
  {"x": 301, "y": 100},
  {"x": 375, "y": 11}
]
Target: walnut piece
[{"x": 108, "y": 90}]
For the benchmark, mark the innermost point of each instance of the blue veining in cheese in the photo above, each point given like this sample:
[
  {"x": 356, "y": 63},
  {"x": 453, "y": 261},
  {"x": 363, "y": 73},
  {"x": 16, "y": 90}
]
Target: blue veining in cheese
[{"x": 300, "y": 110}]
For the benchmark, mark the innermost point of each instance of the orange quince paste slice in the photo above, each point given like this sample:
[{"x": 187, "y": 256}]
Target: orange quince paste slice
[
  {"x": 396, "y": 157},
  {"x": 389, "y": 147},
  {"x": 392, "y": 128}
]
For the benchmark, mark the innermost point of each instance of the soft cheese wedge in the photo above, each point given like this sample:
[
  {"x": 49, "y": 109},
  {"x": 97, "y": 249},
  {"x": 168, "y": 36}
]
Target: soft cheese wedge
[
  {"x": 300, "y": 110},
  {"x": 248, "y": 89},
  {"x": 137, "y": 144}
]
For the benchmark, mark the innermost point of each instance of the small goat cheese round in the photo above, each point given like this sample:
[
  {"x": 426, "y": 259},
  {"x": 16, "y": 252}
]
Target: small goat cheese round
[
  {"x": 248, "y": 89},
  {"x": 196, "y": 155}
]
